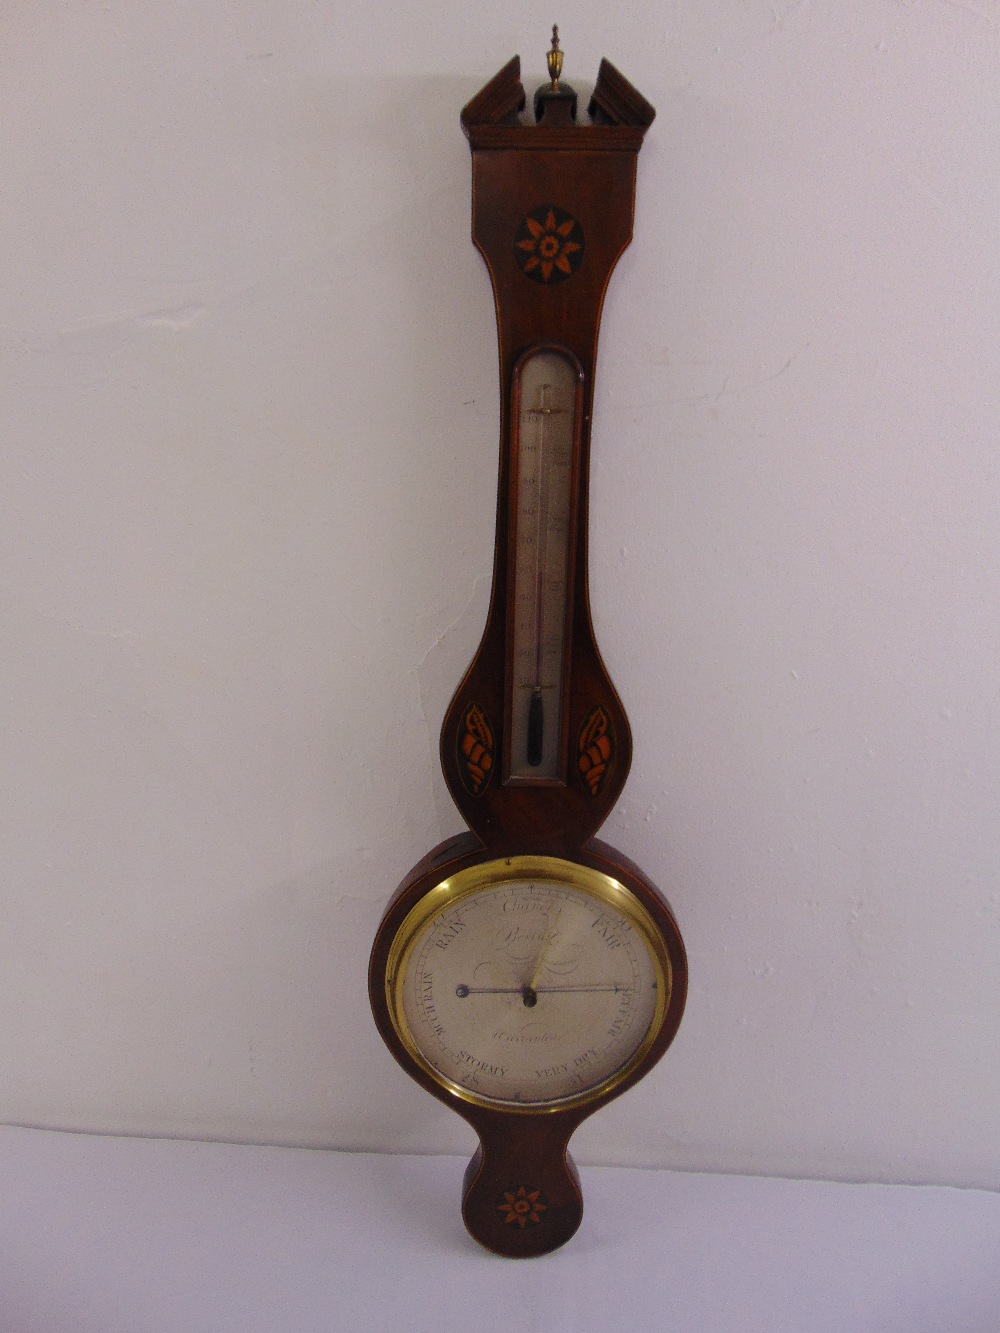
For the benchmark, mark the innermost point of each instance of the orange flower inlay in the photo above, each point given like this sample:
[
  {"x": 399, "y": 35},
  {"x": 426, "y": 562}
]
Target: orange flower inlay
[
  {"x": 522, "y": 1207},
  {"x": 549, "y": 245}
]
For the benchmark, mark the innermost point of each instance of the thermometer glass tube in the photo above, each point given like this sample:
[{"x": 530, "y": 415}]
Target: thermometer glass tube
[{"x": 546, "y": 403}]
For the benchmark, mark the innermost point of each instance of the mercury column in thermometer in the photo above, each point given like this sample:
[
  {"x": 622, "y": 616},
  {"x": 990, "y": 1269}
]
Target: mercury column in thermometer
[{"x": 546, "y": 414}]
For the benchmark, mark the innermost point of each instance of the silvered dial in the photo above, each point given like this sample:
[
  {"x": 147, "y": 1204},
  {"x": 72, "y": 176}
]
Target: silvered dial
[{"x": 528, "y": 982}]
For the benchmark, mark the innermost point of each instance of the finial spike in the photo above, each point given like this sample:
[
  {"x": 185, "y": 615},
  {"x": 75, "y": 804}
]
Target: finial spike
[{"x": 554, "y": 59}]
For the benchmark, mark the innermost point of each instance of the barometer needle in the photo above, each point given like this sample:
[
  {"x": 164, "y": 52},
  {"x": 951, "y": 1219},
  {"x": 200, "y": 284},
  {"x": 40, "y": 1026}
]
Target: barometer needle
[
  {"x": 462, "y": 990},
  {"x": 553, "y": 935}
]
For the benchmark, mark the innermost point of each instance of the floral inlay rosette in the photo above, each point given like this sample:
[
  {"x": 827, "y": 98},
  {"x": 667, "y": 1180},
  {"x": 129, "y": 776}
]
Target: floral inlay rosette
[
  {"x": 522, "y": 1206},
  {"x": 548, "y": 245}
]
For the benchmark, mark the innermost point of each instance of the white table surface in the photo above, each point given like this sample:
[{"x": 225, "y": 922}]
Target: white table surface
[{"x": 117, "y": 1235}]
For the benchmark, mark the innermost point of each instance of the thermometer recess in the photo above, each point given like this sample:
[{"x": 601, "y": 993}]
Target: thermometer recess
[{"x": 547, "y": 394}]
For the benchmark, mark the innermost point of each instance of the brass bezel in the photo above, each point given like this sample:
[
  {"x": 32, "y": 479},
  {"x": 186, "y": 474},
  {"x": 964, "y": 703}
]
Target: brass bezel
[{"x": 487, "y": 875}]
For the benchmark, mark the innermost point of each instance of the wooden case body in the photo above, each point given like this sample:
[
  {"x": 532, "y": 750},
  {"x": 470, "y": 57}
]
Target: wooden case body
[{"x": 550, "y": 172}]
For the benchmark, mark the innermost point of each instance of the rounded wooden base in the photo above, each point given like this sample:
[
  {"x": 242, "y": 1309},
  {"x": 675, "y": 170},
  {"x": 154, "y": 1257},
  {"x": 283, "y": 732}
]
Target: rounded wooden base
[{"x": 521, "y": 1193}]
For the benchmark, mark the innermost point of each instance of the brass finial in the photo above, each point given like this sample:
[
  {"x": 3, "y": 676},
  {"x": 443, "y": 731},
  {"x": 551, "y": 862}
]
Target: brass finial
[{"x": 554, "y": 59}]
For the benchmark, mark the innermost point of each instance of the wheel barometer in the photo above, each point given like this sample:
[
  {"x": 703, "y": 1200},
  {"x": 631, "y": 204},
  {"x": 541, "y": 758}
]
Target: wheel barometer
[{"x": 525, "y": 973}]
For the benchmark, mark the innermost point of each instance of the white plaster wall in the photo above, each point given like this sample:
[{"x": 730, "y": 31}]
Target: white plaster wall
[{"x": 247, "y": 466}]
